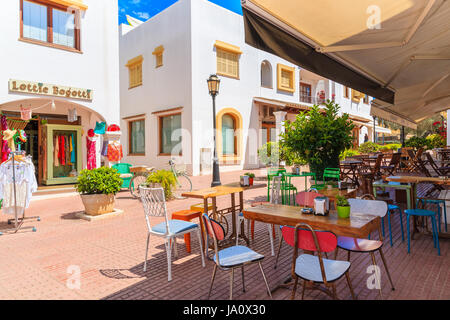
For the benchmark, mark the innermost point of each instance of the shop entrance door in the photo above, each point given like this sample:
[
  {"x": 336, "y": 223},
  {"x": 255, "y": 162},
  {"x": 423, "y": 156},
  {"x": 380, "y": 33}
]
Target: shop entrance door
[{"x": 269, "y": 133}]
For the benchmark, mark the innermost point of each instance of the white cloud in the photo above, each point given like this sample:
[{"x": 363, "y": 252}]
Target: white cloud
[{"x": 142, "y": 15}]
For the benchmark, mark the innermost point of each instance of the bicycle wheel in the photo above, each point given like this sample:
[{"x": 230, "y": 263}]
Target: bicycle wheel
[
  {"x": 134, "y": 184},
  {"x": 183, "y": 185}
]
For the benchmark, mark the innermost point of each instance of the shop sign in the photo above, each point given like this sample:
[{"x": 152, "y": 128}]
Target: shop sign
[{"x": 46, "y": 89}]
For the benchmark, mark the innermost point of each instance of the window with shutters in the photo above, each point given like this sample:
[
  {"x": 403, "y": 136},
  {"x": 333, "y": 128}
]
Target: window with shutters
[
  {"x": 346, "y": 92},
  {"x": 135, "y": 72},
  {"x": 286, "y": 78},
  {"x": 227, "y": 63},
  {"x": 158, "y": 53}
]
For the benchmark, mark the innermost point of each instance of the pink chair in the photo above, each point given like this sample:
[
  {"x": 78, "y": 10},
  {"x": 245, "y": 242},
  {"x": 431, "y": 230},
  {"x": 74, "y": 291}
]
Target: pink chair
[
  {"x": 303, "y": 199},
  {"x": 311, "y": 268}
]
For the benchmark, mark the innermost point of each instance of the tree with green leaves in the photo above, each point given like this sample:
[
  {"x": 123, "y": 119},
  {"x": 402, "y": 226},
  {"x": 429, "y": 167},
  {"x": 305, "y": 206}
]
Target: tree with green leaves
[{"x": 319, "y": 136}]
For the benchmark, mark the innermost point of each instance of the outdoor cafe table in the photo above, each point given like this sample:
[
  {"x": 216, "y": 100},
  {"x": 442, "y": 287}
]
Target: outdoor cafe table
[
  {"x": 350, "y": 170},
  {"x": 224, "y": 190},
  {"x": 333, "y": 193}
]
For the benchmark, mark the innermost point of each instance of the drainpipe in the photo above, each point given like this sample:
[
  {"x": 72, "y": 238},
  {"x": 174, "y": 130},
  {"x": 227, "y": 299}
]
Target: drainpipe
[
  {"x": 402, "y": 136},
  {"x": 374, "y": 130}
]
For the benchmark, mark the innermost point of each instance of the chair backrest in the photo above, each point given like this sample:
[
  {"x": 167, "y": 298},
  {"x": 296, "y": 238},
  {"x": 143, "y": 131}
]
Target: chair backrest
[
  {"x": 275, "y": 190},
  {"x": 376, "y": 168},
  {"x": 306, "y": 199},
  {"x": 432, "y": 163},
  {"x": 368, "y": 207},
  {"x": 213, "y": 230},
  {"x": 275, "y": 171},
  {"x": 333, "y": 173},
  {"x": 306, "y": 238},
  {"x": 154, "y": 203},
  {"x": 122, "y": 167},
  {"x": 396, "y": 158}
]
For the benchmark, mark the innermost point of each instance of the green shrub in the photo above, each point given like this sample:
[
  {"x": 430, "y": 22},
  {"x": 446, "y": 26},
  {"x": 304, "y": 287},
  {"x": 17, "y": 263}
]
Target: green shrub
[
  {"x": 166, "y": 179},
  {"x": 369, "y": 147},
  {"x": 416, "y": 143},
  {"x": 319, "y": 136},
  {"x": 348, "y": 153},
  {"x": 392, "y": 146},
  {"x": 250, "y": 175},
  {"x": 435, "y": 141},
  {"x": 99, "y": 181}
]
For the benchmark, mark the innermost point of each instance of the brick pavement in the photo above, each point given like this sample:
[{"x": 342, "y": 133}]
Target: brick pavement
[{"x": 110, "y": 253}]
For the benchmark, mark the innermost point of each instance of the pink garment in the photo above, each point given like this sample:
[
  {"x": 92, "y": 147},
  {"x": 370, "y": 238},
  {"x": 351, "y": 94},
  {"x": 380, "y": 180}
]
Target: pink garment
[
  {"x": 91, "y": 157},
  {"x": 5, "y": 150}
]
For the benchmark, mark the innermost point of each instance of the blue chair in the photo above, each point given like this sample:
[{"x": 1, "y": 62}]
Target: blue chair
[
  {"x": 125, "y": 173},
  {"x": 230, "y": 258},
  {"x": 391, "y": 209},
  {"x": 423, "y": 213},
  {"x": 438, "y": 203}
]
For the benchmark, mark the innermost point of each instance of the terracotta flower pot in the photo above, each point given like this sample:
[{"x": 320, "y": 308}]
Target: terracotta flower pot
[
  {"x": 98, "y": 204},
  {"x": 250, "y": 180}
]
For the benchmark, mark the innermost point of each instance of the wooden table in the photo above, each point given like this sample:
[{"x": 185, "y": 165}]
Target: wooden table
[
  {"x": 224, "y": 190},
  {"x": 357, "y": 226},
  {"x": 349, "y": 169}
]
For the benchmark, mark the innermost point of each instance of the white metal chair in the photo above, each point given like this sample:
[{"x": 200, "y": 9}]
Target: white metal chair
[
  {"x": 360, "y": 207},
  {"x": 154, "y": 203},
  {"x": 275, "y": 196}
]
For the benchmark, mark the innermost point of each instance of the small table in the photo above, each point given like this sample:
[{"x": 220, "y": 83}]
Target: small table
[
  {"x": 228, "y": 189},
  {"x": 351, "y": 171},
  {"x": 289, "y": 176}
]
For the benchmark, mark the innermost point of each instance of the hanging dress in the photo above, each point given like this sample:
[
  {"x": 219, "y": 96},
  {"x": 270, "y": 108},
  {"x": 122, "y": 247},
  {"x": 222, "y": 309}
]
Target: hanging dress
[{"x": 91, "y": 156}]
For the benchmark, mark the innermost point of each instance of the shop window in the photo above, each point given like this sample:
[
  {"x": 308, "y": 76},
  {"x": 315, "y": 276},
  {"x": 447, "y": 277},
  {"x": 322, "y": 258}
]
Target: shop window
[
  {"x": 170, "y": 134},
  {"x": 227, "y": 59},
  {"x": 286, "y": 78},
  {"x": 158, "y": 53},
  {"x": 266, "y": 74},
  {"x": 135, "y": 71},
  {"x": 136, "y": 136},
  {"x": 50, "y": 24},
  {"x": 229, "y": 124}
]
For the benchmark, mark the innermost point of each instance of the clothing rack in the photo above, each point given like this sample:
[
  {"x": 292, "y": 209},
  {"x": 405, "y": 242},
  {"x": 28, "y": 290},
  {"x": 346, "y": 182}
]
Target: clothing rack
[{"x": 18, "y": 222}]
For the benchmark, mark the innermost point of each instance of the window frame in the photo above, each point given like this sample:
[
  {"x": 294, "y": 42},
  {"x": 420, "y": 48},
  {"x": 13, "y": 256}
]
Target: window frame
[
  {"x": 270, "y": 70},
  {"x": 291, "y": 70},
  {"x": 49, "y": 43},
  {"x": 235, "y": 158},
  {"x": 226, "y": 74},
  {"x": 346, "y": 92},
  {"x": 131, "y": 65},
  {"x": 159, "y": 54},
  {"x": 366, "y": 99},
  {"x": 130, "y": 125},
  {"x": 160, "y": 133}
]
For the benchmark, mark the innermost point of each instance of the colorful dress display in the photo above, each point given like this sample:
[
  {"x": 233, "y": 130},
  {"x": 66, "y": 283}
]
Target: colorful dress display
[{"x": 91, "y": 154}]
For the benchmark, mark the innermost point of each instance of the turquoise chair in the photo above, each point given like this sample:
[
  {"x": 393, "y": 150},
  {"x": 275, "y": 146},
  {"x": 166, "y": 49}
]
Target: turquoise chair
[
  {"x": 423, "y": 213},
  {"x": 329, "y": 174},
  {"x": 124, "y": 169}
]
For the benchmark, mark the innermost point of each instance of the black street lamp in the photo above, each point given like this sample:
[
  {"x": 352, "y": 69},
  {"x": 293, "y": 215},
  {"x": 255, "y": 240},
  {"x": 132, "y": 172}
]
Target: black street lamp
[{"x": 213, "y": 87}]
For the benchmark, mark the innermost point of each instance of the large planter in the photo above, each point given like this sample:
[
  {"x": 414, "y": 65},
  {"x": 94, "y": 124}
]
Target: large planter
[
  {"x": 98, "y": 204},
  {"x": 343, "y": 212}
]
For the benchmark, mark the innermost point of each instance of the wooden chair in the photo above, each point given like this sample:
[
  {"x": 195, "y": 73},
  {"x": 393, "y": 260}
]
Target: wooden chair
[
  {"x": 366, "y": 207},
  {"x": 393, "y": 164},
  {"x": 230, "y": 258},
  {"x": 414, "y": 165},
  {"x": 315, "y": 270},
  {"x": 440, "y": 171},
  {"x": 154, "y": 203}
]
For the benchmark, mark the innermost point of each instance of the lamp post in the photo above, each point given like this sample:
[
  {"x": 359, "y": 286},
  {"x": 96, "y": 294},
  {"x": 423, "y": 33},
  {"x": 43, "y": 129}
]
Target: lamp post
[{"x": 213, "y": 87}]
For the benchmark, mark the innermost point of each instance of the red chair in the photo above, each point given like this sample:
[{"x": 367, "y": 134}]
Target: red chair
[
  {"x": 303, "y": 199},
  {"x": 315, "y": 269}
]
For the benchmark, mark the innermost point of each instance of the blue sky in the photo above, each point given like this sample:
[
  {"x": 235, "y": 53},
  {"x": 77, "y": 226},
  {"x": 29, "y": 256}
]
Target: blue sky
[{"x": 145, "y": 9}]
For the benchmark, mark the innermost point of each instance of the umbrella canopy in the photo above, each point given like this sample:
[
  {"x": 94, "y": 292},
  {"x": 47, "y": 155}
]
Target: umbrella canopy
[{"x": 396, "y": 51}]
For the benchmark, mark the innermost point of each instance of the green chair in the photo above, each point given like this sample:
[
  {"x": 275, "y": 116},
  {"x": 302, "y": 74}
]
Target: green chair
[
  {"x": 273, "y": 173},
  {"x": 125, "y": 173},
  {"x": 329, "y": 174}
]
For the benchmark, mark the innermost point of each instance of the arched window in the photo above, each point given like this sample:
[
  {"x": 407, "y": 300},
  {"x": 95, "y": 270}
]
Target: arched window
[
  {"x": 266, "y": 74},
  {"x": 228, "y": 135}
]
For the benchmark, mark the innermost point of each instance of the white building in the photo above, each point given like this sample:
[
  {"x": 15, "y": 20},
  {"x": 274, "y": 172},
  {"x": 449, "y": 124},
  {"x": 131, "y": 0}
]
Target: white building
[
  {"x": 166, "y": 109},
  {"x": 56, "y": 56}
]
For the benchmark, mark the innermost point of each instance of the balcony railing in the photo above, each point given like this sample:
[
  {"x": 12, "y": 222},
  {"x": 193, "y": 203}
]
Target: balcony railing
[{"x": 313, "y": 100}]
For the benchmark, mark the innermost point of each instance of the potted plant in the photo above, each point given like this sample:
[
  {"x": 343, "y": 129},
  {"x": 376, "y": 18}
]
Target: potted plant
[
  {"x": 251, "y": 176},
  {"x": 164, "y": 179},
  {"x": 343, "y": 207},
  {"x": 318, "y": 137},
  {"x": 98, "y": 188}
]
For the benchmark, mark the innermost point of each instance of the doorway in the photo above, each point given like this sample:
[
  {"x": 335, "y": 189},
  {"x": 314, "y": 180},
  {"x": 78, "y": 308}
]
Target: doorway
[{"x": 269, "y": 133}]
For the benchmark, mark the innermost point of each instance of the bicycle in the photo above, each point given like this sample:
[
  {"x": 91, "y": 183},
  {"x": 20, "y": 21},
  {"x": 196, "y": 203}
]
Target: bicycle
[
  {"x": 140, "y": 174},
  {"x": 183, "y": 182}
]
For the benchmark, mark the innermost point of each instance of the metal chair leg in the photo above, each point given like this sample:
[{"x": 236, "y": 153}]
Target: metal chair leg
[
  {"x": 265, "y": 280},
  {"x": 336, "y": 253},
  {"x": 169, "y": 259},
  {"x": 333, "y": 286},
  {"x": 374, "y": 262},
  {"x": 200, "y": 241},
  {"x": 389, "y": 227},
  {"x": 278, "y": 253},
  {"x": 294, "y": 288},
  {"x": 304, "y": 289},
  {"x": 387, "y": 270},
  {"x": 231, "y": 283},
  {"x": 269, "y": 226},
  {"x": 408, "y": 235},
  {"x": 243, "y": 281},
  {"x": 146, "y": 252},
  {"x": 347, "y": 276},
  {"x": 401, "y": 223},
  {"x": 212, "y": 280}
]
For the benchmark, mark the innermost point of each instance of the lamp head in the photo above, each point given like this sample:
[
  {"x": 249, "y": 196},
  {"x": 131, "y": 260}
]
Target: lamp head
[{"x": 213, "y": 85}]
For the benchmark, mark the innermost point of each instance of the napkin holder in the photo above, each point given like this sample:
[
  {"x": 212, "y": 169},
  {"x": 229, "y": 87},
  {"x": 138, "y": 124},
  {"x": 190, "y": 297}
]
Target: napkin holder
[
  {"x": 321, "y": 206},
  {"x": 245, "y": 181}
]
